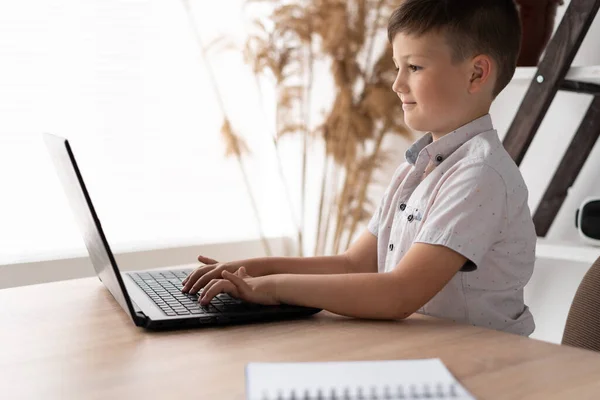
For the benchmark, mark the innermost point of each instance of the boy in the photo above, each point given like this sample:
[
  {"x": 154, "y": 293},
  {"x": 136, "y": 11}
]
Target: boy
[{"x": 453, "y": 236}]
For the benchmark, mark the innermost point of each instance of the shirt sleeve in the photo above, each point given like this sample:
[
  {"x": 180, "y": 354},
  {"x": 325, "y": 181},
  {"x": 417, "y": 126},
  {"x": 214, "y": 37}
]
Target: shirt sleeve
[
  {"x": 373, "y": 225},
  {"x": 469, "y": 213}
]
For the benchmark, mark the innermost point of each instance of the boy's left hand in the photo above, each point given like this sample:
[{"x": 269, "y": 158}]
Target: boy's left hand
[{"x": 260, "y": 290}]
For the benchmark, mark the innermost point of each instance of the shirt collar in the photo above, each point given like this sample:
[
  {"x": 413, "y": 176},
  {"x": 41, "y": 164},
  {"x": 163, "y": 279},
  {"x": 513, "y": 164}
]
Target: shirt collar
[{"x": 449, "y": 143}]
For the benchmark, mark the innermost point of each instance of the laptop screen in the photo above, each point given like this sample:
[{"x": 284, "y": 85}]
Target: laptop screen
[{"x": 87, "y": 220}]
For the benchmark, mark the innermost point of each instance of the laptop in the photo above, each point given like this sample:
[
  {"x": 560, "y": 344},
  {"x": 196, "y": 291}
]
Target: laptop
[{"x": 152, "y": 298}]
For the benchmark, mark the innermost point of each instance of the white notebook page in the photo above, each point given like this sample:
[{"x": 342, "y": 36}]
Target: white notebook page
[{"x": 401, "y": 379}]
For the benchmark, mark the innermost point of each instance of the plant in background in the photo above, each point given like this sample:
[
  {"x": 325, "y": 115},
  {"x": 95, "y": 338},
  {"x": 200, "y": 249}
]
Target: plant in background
[
  {"x": 290, "y": 44},
  {"x": 349, "y": 36}
]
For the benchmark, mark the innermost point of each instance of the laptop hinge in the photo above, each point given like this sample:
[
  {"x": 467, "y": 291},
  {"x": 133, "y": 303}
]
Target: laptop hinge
[{"x": 139, "y": 318}]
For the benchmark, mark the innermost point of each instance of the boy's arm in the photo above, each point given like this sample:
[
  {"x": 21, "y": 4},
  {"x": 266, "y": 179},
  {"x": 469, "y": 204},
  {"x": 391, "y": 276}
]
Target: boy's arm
[
  {"x": 420, "y": 275},
  {"x": 360, "y": 257}
]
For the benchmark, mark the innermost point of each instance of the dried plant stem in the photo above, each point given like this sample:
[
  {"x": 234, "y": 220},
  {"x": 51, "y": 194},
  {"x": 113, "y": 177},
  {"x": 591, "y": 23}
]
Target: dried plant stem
[
  {"x": 296, "y": 221},
  {"x": 324, "y": 177},
  {"x": 302, "y": 169},
  {"x": 343, "y": 198},
  {"x": 373, "y": 34},
  {"x": 275, "y": 143},
  {"x": 333, "y": 187},
  {"x": 278, "y": 157},
  {"x": 344, "y": 203},
  {"x": 367, "y": 178},
  {"x": 222, "y": 107},
  {"x": 307, "y": 111}
]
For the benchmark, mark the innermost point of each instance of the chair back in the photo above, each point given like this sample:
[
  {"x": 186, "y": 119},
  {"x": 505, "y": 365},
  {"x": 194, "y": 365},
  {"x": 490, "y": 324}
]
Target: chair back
[{"x": 583, "y": 322}]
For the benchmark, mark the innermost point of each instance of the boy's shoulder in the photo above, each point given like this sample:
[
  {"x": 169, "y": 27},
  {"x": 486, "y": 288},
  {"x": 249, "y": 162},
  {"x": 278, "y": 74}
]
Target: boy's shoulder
[{"x": 487, "y": 149}]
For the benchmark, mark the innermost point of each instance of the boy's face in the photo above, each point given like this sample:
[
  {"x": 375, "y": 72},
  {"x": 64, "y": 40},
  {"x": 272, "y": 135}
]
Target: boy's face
[{"x": 435, "y": 91}]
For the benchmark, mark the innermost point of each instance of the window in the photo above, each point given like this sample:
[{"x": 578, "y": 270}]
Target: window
[{"x": 125, "y": 82}]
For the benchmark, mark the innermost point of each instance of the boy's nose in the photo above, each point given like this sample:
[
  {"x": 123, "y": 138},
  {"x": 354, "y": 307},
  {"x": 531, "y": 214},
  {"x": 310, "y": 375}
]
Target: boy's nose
[{"x": 399, "y": 86}]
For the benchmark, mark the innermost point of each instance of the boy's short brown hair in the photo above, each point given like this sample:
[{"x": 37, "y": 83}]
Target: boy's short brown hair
[{"x": 471, "y": 27}]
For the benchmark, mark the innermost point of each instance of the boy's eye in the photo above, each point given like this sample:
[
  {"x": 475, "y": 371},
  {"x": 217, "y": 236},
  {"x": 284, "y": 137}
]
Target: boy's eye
[{"x": 414, "y": 68}]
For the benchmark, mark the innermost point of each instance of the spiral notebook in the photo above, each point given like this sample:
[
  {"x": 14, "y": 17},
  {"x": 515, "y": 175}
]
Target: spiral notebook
[{"x": 365, "y": 380}]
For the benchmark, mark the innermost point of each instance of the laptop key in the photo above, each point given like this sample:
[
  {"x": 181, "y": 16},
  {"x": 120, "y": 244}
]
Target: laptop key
[
  {"x": 210, "y": 308},
  {"x": 232, "y": 302},
  {"x": 220, "y": 307},
  {"x": 187, "y": 301}
]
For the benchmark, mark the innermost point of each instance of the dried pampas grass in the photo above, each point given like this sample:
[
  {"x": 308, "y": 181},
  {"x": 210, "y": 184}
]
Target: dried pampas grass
[
  {"x": 286, "y": 46},
  {"x": 363, "y": 113}
]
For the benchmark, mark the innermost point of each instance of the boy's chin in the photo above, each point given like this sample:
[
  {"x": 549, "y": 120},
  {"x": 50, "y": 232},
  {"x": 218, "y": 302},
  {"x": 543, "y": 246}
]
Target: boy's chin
[{"x": 415, "y": 124}]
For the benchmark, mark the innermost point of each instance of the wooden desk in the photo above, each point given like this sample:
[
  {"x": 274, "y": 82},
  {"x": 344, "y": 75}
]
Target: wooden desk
[{"x": 71, "y": 340}]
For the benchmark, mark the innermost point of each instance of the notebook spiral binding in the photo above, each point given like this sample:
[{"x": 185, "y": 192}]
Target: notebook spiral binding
[{"x": 427, "y": 392}]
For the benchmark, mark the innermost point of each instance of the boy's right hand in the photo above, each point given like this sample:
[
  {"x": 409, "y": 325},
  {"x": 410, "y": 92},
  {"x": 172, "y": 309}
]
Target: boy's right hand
[{"x": 199, "y": 277}]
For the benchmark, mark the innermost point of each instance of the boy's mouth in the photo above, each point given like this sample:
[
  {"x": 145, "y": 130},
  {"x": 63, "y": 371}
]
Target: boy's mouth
[{"x": 408, "y": 105}]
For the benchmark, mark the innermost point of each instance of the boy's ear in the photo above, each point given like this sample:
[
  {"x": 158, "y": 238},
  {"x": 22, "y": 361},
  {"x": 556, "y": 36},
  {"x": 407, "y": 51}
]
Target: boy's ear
[{"x": 481, "y": 73}]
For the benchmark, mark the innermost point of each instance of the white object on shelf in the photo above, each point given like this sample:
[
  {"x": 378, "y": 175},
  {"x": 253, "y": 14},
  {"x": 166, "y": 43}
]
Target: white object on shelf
[
  {"x": 588, "y": 74},
  {"x": 580, "y": 212},
  {"x": 569, "y": 251}
]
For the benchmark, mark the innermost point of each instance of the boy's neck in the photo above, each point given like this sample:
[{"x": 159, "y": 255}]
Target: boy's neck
[{"x": 476, "y": 114}]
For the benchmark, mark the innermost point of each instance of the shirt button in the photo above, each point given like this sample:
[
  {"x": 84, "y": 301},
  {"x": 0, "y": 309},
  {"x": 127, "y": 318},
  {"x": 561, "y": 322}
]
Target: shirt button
[
  {"x": 410, "y": 218},
  {"x": 391, "y": 247},
  {"x": 402, "y": 206},
  {"x": 439, "y": 158}
]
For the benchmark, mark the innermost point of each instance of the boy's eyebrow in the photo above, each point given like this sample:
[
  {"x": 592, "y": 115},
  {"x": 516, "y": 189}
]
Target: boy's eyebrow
[{"x": 411, "y": 55}]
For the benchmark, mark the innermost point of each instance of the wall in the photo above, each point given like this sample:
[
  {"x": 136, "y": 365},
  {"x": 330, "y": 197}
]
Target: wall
[
  {"x": 554, "y": 282},
  {"x": 549, "y": 295},
  {"x": 126, "y": 83}
]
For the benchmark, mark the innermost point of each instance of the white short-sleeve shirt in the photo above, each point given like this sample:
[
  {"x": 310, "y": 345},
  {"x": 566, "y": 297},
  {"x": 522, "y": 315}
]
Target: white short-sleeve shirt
[{"x": 464, "y": 192}]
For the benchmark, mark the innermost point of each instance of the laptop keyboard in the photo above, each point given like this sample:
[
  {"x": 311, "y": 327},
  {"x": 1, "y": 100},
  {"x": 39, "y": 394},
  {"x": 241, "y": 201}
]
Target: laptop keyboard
[{"x": 164, "y": 288}]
